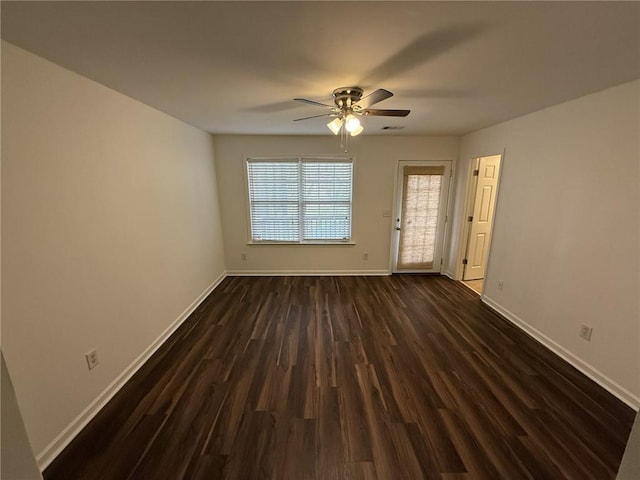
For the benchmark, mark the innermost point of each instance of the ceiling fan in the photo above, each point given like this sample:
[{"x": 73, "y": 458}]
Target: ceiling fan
[{"x": 349, "y": 105}]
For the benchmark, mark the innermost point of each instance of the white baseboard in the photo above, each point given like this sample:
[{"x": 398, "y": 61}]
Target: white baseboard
[
  {"x": 449, "y": 274},
  {"x": 601, "y": 379},
  {"x": 51, "y": 451},
  {"x": 304, "y": 273}
]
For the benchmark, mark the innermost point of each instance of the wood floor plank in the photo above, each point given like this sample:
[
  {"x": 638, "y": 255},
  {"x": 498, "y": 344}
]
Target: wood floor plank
[
  {"x": 372, "y": 378},
  {"x": 355, "y": 435},
  {"x": 330, "y": 463}
]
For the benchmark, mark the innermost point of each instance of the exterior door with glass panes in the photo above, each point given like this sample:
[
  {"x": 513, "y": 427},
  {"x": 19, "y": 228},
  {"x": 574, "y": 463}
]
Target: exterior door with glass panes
[{"x": 420, "y": 216}]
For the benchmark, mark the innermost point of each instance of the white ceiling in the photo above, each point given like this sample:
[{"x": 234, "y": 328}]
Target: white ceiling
[{"x": 234, "y": 67}]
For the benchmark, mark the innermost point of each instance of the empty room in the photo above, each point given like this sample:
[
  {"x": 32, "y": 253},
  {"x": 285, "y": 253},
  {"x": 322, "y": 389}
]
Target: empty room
[{"x": 320, "y": 240}]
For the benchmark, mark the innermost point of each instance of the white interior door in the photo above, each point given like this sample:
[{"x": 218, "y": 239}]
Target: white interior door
[
  {"x": 482, "y": 217},
  {"x": 420, "y": 216}
]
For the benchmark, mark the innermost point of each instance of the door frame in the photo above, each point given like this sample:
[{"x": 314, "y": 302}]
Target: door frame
[
  {"x": 469, "y": 202},
  {"x": 397, "y": 206}
]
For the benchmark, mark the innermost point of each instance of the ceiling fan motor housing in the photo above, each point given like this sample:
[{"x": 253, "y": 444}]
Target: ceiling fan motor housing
[{"x": 346, "y": 97}]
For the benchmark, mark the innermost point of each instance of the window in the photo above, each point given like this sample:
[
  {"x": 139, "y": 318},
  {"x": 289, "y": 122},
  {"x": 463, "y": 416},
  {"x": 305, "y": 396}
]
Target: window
[{"x": 300, "y": 200}]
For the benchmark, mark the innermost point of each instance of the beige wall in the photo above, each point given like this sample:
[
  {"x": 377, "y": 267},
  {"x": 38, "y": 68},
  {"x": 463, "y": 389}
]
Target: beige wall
[
  {"x": 110, "y": 229},
  {"x": 566, "y": 232},
  {"x": 17, "y": 461},
  {"x": 376, "y": 160}
]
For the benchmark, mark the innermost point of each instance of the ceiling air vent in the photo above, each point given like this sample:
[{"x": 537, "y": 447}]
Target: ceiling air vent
[{"x": 393, "y": 127}]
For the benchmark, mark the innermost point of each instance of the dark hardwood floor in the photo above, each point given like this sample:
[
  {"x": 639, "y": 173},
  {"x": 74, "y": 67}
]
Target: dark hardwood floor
[{"x": 400, "y": 377}]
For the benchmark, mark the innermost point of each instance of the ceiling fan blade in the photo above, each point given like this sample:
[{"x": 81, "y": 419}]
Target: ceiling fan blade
[
  {"x": 374, "y": 97},
  {"x": 315, "y": 116},
  {"x": 312, "y": 102},
  {"x": 385, "y": 113}
]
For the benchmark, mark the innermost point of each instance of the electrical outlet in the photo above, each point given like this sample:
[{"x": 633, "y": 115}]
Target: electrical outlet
[
  {"x": 500, "y": 285},
  {"x": 585, "y": 332},
  {"x": 365, "y": 256},
  {"x": 92, "y": 358},
  {"x": 243, "y": 256}
]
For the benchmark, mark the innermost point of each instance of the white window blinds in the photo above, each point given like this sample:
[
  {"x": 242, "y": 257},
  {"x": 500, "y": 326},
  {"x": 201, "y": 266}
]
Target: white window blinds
[{"x": 300, "y": 199}]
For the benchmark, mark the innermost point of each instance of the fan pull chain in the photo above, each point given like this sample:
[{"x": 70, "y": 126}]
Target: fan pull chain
[{"x": 344, "y": 139}]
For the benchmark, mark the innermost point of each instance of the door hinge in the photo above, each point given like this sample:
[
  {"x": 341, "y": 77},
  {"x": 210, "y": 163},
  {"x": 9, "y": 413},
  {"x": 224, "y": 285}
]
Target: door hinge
[
  {"x": 441, "y": 261},
  {"x": 464, "y": 261},
  {"x": 470, "y": 218},
  {"x": 476, "y": 173}
]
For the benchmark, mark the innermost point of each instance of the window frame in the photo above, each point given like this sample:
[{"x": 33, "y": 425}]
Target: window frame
[{"x": 299, "y": 159}]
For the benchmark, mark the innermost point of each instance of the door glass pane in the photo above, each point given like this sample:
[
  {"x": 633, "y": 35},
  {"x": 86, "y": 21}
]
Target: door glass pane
[{"x": 420, "y": 205}]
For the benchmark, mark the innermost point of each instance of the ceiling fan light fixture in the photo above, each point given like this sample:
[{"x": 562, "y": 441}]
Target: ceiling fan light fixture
[
  {"x": 357, "y": 131},
  {"x": 335, "y": 125},
  {"x": 352, "y": 124}
]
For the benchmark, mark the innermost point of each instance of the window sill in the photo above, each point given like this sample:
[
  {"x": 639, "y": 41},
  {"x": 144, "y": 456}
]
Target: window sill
[{"x": 290, "y": 244}]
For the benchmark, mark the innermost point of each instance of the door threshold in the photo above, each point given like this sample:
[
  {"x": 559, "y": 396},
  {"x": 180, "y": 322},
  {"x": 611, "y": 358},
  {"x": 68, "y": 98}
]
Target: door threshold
[{"x": 475, "y": 285}]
